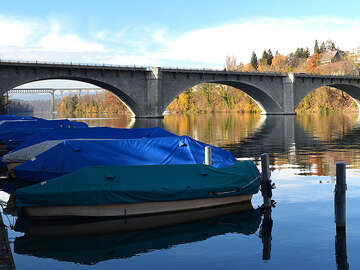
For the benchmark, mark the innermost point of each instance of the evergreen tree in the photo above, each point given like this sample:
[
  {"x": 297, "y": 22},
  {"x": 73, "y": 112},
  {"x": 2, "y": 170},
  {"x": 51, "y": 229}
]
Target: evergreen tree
[
  {"x": 316, "y": 47},
  {"x": 307, "y": 52},
  {"x": 265, "y": 57},
  {"x": 270, "y": 57},
  {"x": 254, "y": 61},
  {"x": 322, "y": 47}
]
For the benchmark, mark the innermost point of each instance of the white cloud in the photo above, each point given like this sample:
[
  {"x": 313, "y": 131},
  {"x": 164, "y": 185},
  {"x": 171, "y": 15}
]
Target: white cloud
[
  {"x": 207, "y": 47},
  {"x": 14, "y": 32},
  {"x": 45, "y": 41},
  {"x": 56, "y": 41},
  {"x": 211, "y": 45}
]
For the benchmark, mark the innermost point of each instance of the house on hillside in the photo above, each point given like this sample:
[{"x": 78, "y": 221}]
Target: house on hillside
[
  {"x": 331, "y": 57},
  {"x": 356, "y": 54}
]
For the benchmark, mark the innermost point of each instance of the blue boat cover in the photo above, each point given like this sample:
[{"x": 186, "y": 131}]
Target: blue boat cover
[
  {"x": 104, "y": 185},
  {"x": 16, "y": 117},
  {"x": 93, "y": 133},
  {"x": 70, "y": 155},
  {"x": 13, "y": 133}
]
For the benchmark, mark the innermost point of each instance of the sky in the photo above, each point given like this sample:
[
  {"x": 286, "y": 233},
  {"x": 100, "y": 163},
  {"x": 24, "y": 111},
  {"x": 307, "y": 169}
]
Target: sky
[{"x": 175, "y": 33}]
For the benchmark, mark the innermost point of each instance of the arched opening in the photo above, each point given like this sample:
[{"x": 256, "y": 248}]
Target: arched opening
[
  {"x": 214, "y": 112},
  {"x": 330, "y": 98},
  {"x": 330, "y": 112},
  {"x": 67, "y": 99},
  {"x": 220, "y": 96}
]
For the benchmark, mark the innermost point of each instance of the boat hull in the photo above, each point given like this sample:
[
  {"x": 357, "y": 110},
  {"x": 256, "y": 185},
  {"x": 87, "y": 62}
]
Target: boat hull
[
  {"x": 131, "y": 209},
  {"x": 100, "y": 226}
]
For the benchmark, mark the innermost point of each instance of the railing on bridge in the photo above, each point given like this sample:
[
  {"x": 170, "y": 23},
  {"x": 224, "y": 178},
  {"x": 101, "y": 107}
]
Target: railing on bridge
[{"x": 74, "y": 64}]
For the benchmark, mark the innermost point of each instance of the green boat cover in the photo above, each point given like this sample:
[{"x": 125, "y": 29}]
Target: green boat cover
[
  {"x": 134, "y": 184},
  {"x": 93, "y": 249}
]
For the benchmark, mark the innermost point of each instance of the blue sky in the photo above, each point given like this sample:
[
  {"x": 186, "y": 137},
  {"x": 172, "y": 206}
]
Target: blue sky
[{"x": 170, "y": 33}]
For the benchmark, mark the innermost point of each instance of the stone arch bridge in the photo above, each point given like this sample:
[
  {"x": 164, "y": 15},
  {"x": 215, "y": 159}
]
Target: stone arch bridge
[{"x": 148, "y": 91}]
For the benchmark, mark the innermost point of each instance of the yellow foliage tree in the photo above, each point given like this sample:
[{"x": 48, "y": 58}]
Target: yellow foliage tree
[{"x": 279, "y": 63}]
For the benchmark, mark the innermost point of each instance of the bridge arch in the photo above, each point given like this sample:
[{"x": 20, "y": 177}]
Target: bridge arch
[
  {"x": 266, "y": 102},
  {"x": 352, "y": 90},
  {"x": 126, "y": 99}
]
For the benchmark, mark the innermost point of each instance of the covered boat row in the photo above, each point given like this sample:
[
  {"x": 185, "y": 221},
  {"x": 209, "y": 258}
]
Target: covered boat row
[{"x": 123, "y": 170}]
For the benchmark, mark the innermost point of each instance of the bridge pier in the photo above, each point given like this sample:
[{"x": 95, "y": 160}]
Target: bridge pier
[
  {"x": 52, "y": 102},
  {"x": 152, "y": 107}
]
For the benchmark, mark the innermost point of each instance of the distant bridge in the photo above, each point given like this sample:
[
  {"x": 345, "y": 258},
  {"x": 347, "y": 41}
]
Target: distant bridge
[
  {"x": 50, "y": 91},
  {"x": 148, "y": 91}
]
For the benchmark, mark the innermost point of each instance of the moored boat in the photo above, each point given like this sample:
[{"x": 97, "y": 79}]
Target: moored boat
[
  {"x": 45, "y": 140},
  {"x": 139, "y": 190},
  {"x": 66, "y": 156},
  {"x": 14, "y": 132}
]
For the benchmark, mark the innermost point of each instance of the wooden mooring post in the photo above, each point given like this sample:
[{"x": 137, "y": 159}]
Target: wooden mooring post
[
  {"x": 340, "y": 217},
  {"x": 265, "y": 233},
  {"x": 265, "y": 182},
  {"x": 340, "y": 195},
  {"x": 6, "y": 258}
]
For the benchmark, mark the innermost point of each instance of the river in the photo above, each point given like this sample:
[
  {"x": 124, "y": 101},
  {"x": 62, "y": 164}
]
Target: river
[{"x": 303, "y": 153}]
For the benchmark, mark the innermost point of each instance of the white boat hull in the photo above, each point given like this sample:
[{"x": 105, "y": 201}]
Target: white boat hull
[
  {"x": 131, "y": 209},
  {"x": 124, "y": 225}
]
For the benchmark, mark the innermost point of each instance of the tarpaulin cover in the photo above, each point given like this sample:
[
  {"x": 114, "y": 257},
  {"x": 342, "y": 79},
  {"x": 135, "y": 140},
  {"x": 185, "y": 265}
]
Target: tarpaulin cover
[
  {"x": 93, "y": 133},
  {"x": 93, "y": 249},
  {"x": 13, "y": 133},
  {"x": 70, "y": 155},
  {"x": 15, "y": 117},
  {"x": 134, "y": 184}
]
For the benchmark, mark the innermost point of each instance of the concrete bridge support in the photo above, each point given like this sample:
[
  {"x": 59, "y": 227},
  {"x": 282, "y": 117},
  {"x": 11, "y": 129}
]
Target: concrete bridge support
[{"x": 152, "y": 103}]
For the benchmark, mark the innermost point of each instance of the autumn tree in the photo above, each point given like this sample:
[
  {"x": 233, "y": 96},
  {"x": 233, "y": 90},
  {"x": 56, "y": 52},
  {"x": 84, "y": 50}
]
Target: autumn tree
[
  {"x": 279, "y": 63},
  {"x": 207, "y": 90},
  {"x": 248, "y": 68},
  {"x": 312, "y": 65}
]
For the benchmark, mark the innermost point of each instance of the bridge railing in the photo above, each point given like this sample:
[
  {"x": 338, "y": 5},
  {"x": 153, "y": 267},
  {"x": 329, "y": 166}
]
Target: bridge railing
[{"x": 6, "y": 61}]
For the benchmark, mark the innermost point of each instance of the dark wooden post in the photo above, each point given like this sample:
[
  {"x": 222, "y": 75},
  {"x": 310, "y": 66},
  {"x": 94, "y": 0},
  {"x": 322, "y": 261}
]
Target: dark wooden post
[
  {"x": 265, "y": 181},
  {"x": 340, "y": 217},
  {"x": 340, "y": 248},
  {"x": 265, "y": 233},
  {"x": 340, "y": 195}
]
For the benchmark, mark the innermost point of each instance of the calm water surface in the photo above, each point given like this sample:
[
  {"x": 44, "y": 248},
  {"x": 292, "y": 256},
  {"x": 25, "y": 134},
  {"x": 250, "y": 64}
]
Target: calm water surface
[{"x": 303, "y": 149}]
